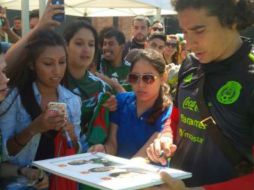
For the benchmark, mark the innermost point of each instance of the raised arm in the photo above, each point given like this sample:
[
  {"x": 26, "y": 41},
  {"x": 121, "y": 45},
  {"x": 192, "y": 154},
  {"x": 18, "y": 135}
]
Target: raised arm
[
  {"x": 15, "y": 52},
  {"x": 13, "y": 37}
]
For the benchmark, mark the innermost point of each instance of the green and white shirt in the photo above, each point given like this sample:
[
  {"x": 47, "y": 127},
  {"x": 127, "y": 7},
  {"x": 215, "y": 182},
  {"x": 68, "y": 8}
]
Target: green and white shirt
[
  {"x": 117, "y": 73},
  {"x": 88, "y": 89}
]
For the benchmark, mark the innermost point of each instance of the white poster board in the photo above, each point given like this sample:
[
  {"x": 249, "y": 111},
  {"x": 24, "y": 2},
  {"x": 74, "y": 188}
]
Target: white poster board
[{"x": 107, "y": 172}]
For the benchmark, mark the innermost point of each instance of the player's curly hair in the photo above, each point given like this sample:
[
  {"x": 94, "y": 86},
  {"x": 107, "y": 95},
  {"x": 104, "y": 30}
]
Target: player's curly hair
[{"x": 229, "y": 12}]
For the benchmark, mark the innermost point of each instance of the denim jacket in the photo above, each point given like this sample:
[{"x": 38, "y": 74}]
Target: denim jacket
[{"x": 16, "y": 119}]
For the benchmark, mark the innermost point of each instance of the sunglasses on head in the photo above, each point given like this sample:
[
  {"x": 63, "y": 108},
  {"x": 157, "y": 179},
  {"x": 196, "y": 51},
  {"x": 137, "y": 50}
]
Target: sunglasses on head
[
  {"x": 157, "y": 28},
  {"x": 146, "y": 78},
  {"x": 172, "y": 44}
]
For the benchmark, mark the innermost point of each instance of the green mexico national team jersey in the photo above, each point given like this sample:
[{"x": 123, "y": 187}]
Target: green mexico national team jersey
[
  {"x": 229, "y": 95},
  {"x": 117, "y": 73}
]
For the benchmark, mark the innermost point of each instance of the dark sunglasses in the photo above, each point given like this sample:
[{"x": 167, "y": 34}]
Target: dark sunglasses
[
  {"x": 172, "y": 44},
  {"x": 157, "y": 28},
  {"x": 146, "y": 78}
]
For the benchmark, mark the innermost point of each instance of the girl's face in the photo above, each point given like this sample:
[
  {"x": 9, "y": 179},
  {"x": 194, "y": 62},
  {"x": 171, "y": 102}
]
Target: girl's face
[
  {"x": 81, "y": 49},
  {"x": 145, "y": 81},
  {"x": 3, "y": 79},
  {"x": 170, "y": 48},
  {"x": 50, "y": 66}
]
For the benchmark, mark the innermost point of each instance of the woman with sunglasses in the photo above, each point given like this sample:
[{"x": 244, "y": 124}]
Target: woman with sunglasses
[
  {"x": 172, "y": 57},
  {"x": 140, "y": 114},
  {"x": 171, "y": 51}
]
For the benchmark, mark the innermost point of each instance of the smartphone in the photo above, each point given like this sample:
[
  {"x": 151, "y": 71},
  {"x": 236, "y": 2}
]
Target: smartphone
[
  {"x": 61, "y": 16},
  {"x": 58, "y": 107}
]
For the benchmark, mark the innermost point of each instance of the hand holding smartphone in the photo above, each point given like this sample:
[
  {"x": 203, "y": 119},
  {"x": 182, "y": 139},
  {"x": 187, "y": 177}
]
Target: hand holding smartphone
[
  {"x": 60, "y": 17},
  {"x": 61, "y": 109}
]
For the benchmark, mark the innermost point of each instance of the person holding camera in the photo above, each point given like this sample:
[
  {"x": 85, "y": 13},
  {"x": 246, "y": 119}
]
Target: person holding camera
[{"x": 5, "y": 29}]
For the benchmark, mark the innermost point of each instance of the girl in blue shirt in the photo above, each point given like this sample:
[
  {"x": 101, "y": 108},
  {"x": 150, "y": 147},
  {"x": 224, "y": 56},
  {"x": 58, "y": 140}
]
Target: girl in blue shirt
[{"x": 140, "y": 114}]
